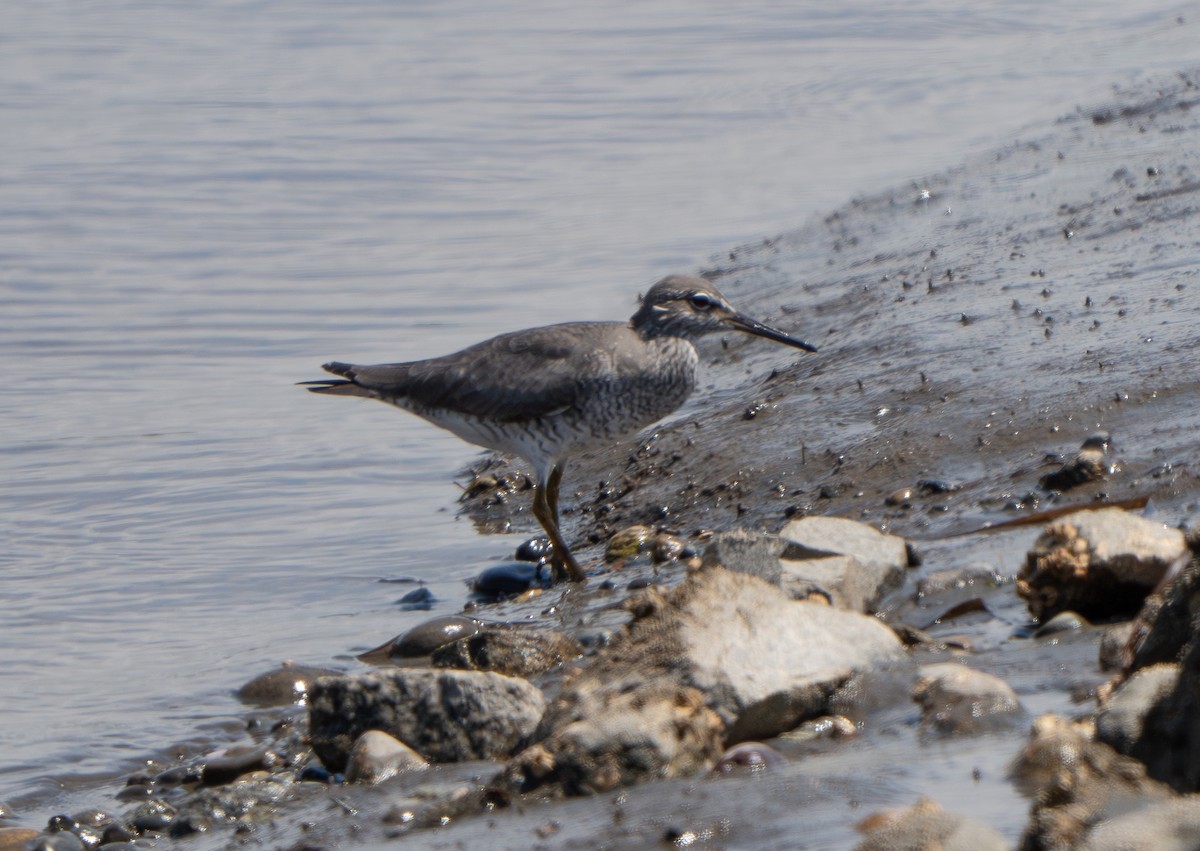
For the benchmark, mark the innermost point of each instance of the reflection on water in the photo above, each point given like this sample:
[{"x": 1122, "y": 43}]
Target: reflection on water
[{"x": 202, "y": 203}]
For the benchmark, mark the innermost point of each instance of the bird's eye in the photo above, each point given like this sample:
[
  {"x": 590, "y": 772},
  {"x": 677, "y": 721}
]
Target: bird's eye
[{"x": 702, "y": 301}]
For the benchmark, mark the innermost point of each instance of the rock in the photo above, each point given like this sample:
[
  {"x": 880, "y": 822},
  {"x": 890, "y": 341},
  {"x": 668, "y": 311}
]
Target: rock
[
  {"x": 1114, "y": 646},
  {"x": 444, "y": 715},
  {"x": 609, "y": 738},
  {"x": 1076, "y": 783},
  {"x": 959, "y": 700},
  {"x": 1146, "y": 716},
  {"x": 851, "y": 563},
  {"x": 1165, "y": 628},
  {"x": 752, "y": 755},
  {"x": 286, "y": 684},
  {"x": 1169, "y": 742},
  {"x": 628, "y": 543},
  {"x": 422, "y": 640},
  {"x": 1091, "y": 464},
  {"x": 764, "y": 663},
  {"x": 58, "y": 841},
  {"x": 242, "y": 803},
  {"x": 509, "y": 579},
  {"x": 376, "y": 756},
  {"x": 418, "y": 599},
  {"x": 668, "y": 548},
  {"x": 153, "y": 816},
  {"x": 926, "y": 825},
  {"x": 848, "y": 563},
  {"x": 723, "y": 653},
  {"x": 17, "y": 838},
  {"x": 232, "y": 764},
  {"x": 506, "y": 650},
  {"x": 1171, "y": 825},
  {"x": 956, "y": 579},
  {"x": 752, "y": 553},
  {"x": 1119, "y": 723},
  {"x": 825, "y": 727},
  {"x": 537, "y": 550},
  {"x": 1101, "y": 564},
  {"x": 1060, "y": 623}
]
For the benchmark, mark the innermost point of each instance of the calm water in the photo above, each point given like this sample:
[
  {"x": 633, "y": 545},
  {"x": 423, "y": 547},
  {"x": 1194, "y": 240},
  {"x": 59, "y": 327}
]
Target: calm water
[{"x": 199, "y": 203}]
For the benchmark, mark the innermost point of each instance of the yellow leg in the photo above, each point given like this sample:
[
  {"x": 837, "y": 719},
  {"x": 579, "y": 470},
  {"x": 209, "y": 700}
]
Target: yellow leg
[{"x": 545, "y": 509}]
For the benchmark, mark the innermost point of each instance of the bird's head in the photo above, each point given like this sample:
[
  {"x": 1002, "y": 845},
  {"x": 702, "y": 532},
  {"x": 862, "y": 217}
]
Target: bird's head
[{"x": 687, "y": 307}]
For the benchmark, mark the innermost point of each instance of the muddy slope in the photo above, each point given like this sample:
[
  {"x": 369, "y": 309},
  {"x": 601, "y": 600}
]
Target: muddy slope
[{"x": 969, "y": 326}]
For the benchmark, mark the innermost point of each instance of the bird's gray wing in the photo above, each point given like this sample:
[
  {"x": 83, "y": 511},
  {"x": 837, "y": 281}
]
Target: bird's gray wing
[{"x": 518, "y": 376}]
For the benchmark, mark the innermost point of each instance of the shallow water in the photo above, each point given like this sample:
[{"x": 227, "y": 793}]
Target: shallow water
[{"x": 201, "y": 204}]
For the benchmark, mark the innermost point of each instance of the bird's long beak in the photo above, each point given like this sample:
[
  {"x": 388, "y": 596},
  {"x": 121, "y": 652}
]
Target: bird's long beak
[{"x": 752, "y": 326}]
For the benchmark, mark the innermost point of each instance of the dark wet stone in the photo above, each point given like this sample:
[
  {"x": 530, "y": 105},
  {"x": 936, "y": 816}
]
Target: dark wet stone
[
  {"x": 94, "y": 818},
  {"x": 91, "y": 837},
  {"x": 116, "y": 832},
  {"x": 135, "y": 792},
  {"x": 506, "y": 650},
  {"x": 188, "y": 824},
  {"x": 509, "y": 579},
  {"x": 315, "y": 772},
  {"x": 933, "y": 487},
  {"x": 231, "y": 765},
  {"x": 424, "y": 638},
  {"x": 418, "y": 599},
  {"x": 667, "y": 548},
  {"x": 286, "y": 684},
  {"x": 752, "y": 755},
  {"x": 61, "y": 822},
  {"x": 537, "y": 550},
  {"x": 899, "y": 498},
  {"x": 152, "y": 817}
]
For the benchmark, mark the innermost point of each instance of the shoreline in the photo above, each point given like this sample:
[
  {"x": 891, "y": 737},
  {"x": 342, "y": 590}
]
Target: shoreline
[{"x": 969, "y": 327}]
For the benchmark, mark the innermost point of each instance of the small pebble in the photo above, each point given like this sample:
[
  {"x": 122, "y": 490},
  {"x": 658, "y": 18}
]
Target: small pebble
[
  {"x": 1062, "y": 622},
  {"x": 752, "y": 755},
  {"x": 628, "y": 543},
  {"x": 537, "y": 550},
  {"x": 507, "y": 580},
  {"x": 667, "y": 547},
  {"x": 418, "y": 599}
]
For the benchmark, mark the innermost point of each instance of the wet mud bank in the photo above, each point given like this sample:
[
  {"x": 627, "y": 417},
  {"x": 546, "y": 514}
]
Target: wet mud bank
[{"x": 1003, "y": 342}]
